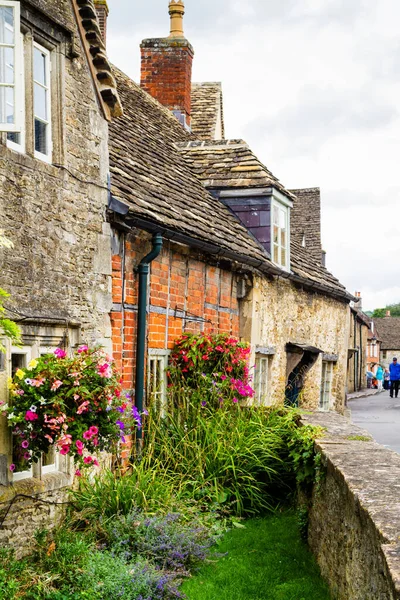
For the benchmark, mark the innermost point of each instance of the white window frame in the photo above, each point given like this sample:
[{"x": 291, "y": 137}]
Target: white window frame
[
  {"x": 262, "y": 379},
  {"x": 160, "y": 357},
  {"x": 325, "y": 400},
  {"x": 45, "y": 157},
  {"x": 14, "y": 145},
  {"x": 27, "y": 352},
  {"x": 286, "y": 209},
  {"x": 15, "y": 127}
]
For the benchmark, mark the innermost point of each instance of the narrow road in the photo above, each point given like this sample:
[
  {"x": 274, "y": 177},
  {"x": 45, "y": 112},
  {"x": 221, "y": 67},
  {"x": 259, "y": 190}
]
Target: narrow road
[{"x": 380, "y": 415}]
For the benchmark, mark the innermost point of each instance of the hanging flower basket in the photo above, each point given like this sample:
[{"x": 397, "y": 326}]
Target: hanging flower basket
[{"x": 73, "y": 404}]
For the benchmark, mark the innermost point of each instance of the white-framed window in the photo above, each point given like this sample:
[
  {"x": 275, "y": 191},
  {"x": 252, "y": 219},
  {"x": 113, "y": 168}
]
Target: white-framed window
[
  {"x": 11, "y": 67},
  {"x": 326, "y": 385},
  {"x": 261, "y": 379},
  {"x": 16, "y": 140},
  {"x": 20, "y": 358},
  {"x": 157, "y": 378},
  {"x": 42, "y": 102},
  {"x": 280, "y": 227}
]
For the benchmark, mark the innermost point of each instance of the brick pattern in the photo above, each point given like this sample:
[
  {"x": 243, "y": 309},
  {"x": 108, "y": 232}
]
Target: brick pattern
[
  {"x": 186, "y": 294},
  {"x": 102, "y": 13},
  {"x": 166, "y": 74}
]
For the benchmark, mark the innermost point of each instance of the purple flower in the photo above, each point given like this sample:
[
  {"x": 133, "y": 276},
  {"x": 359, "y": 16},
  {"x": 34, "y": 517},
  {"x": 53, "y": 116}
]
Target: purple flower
[
  {"x": 120, "y": 409},
  {"x": 123, "y": 439},
  {"x": 204, "y": 403},
  {"x": 27, "y": 456},
  {"x": 12, "y": 468},
  {"x": 121, "y": 425},
  {"x": 25, "y": 444}
]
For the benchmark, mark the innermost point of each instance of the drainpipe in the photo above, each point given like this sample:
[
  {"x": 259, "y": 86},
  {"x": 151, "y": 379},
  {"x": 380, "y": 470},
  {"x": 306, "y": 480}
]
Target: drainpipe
[{"x": 143, "y": 271}]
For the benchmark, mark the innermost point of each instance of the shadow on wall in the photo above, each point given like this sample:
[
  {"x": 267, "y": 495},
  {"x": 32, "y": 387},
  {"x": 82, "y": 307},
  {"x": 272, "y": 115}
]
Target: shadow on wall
[{"x": 300, "y": 359}]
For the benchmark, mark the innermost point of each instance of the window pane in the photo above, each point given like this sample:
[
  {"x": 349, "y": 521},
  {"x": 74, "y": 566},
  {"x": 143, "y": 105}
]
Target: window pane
[
  {"x": 7, "y": 65},
  {"x": 283, "y": 238},
  {"x": 40, "y": 102},
  {"x": 276, "y": 254},
  {"x": 6, "y": 25},
  {"x": 14, "y": 137},
  {"x": 282, "y": 219},
  {"x": 39, "y": 67},
  {"x": 276, "y": 215},
  {"x": 7, "y": 113},
  {"x": 283, "y": 257},
  {"x": 41, "y": 137},
  {"x": 276, "y": 235}
]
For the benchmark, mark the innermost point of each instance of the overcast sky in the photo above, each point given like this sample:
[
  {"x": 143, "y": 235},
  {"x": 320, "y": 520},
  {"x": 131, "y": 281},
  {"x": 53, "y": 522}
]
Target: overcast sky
[{"x": 314, "y": 87}]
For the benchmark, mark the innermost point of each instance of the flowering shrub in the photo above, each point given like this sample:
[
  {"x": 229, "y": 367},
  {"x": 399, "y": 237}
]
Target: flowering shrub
[
  {"x": 210, "y": 368},
  {"x": 74, "y": 404}
]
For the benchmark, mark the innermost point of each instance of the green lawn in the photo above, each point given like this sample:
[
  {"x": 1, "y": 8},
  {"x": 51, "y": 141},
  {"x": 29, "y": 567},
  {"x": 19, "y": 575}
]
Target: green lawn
[{"x": 265, "y": 561}]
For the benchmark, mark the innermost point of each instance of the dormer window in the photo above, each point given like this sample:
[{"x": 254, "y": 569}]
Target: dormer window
[{"x": 280, "y": 234}]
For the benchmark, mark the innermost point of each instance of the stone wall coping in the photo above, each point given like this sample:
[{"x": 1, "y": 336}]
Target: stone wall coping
[
  {"x": 372, "y": 475},
  {"x": 35, "y": 487}
]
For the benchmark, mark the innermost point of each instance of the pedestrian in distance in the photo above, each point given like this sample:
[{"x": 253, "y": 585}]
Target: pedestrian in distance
[
  {"x": 386, "y": 380},
  {"x": 394, "y": 369},
  {"x": 379, "y": 377}
]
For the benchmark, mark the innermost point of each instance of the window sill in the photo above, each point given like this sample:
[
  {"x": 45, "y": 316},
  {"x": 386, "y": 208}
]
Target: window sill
[{"x": 32, "y": 486}]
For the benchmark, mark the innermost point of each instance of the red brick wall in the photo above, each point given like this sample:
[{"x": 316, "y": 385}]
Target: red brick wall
[
  {"x": 166, "y": 74},
  {"x": 185, "y": 294}
]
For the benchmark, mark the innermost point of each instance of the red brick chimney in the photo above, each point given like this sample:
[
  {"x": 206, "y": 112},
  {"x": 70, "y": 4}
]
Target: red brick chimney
[
  {"x": 102, "y": 14},
  {"x": 166, "y": 68}
]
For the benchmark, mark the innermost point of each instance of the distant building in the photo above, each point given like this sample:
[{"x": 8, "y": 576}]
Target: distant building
[{"x": 388, "y": 329}]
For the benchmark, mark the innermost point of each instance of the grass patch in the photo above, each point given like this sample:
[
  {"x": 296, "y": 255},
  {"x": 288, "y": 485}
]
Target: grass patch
[
  {"x": 359, "y": 438},
  {"x": 265, "y": 561}
]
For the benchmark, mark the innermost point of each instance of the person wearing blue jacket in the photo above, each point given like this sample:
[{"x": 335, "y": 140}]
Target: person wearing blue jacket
[{"x": 394, "y": 369}]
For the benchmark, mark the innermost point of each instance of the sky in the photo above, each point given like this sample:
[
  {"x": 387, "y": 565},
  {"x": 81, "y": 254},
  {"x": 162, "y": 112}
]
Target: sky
[{"x": 313, "y": 86}]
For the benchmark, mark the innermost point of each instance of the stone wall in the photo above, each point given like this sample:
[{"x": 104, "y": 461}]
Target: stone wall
[
  {"x": 357, "y": 360},
  {"x": 275, "y": 313},
  {"x": 354, "y": 527},
  {"x": 59, "y": 271}
]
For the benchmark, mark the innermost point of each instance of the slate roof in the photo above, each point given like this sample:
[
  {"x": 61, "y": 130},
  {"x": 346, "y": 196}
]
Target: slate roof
[
  {"x": 207, "y": 116},
  {"x": 228, "y": 163},
  {"x": 388, "y": 329},
  {"x": 151, "y": 176}
]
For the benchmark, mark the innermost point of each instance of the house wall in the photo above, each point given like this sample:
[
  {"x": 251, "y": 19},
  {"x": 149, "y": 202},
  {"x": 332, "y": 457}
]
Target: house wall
[
  {"x": 387, "y": 357},
  {"x": 187, "y": 293},
  {"x": 275, "y": 313},
  {"x": 357, "y": 362},
  {"x": 59, "y": 271}
]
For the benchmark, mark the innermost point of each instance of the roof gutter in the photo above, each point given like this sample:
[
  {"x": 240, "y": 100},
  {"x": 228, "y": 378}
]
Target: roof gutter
[{"x": 129, "y": 221}]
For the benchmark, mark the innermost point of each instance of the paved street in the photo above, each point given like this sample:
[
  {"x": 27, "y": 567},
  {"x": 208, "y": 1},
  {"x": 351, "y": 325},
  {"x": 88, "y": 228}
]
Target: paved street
[{"x": 380, "y": 415}]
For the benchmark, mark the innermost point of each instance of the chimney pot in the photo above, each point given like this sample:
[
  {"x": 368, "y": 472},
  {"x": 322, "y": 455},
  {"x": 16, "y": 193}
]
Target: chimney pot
[{"x": 176, "y": 12}]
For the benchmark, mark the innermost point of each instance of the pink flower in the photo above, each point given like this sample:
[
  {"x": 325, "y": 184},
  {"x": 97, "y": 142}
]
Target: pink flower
[
  {"x": 76, "y": 382},
  {"x": 12, "y": 468},
  {"x": 104, "y": 370},
  {"x": 94, "y": 430},
  {"x": 82, "y": 349},
  {"x": 19, "y": 392},
  {"x": 37, "y": 382},
  {"x": 95, "y": 441},
  {"x": 50, "y": 439},
  {"x": 235, "y": 400},
  {"x": 27, "y": 456},
  {"x": 30, "y": 416},
  {"x": 25, "y": 444},
  {"x": 60, "y": 353},
  {"x": 56, "y": 384},
  {"x": 78, "y": 473},
  {"x": 96, "y": 462},
  {"x": 83, "y": 407},
  {"x": 87, "y": 435},
  {"x": 76, "y": 397},
  {"x": 64, "y": 450},
  {"x": 88, "y": 460},
  {"x": 79, "y": 444}
]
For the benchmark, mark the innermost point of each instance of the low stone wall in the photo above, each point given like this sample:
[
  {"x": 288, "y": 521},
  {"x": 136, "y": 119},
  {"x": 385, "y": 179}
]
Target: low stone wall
[
  {"x": 354, "y": 527},
  {"x": 30, "y": 514}
]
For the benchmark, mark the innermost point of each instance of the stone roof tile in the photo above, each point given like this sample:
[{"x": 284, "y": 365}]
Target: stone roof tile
[{"x": 388, "y": 329}]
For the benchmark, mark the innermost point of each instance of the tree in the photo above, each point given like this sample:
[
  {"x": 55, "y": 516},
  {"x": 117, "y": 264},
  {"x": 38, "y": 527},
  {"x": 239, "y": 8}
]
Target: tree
[
  {"x": 8, "y": 328},
  {"x": 381, "y": 312}
]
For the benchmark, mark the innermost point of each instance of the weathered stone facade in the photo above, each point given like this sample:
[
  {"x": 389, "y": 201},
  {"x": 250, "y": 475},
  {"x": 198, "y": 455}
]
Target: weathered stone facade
[
  {"x": 276, "y": 313},
  {"x": 59, "y": 271},
  {"x": 357, "y": 356},
  {"x": 354, "y": 525}
]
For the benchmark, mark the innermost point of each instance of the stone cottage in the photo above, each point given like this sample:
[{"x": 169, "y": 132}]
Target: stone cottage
[
  {"x": 388, "y": 330},
  {"x": 57, "y": 97},
  {"x": 360, "y": 347},
  {"x": 241, "y": 253}
]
